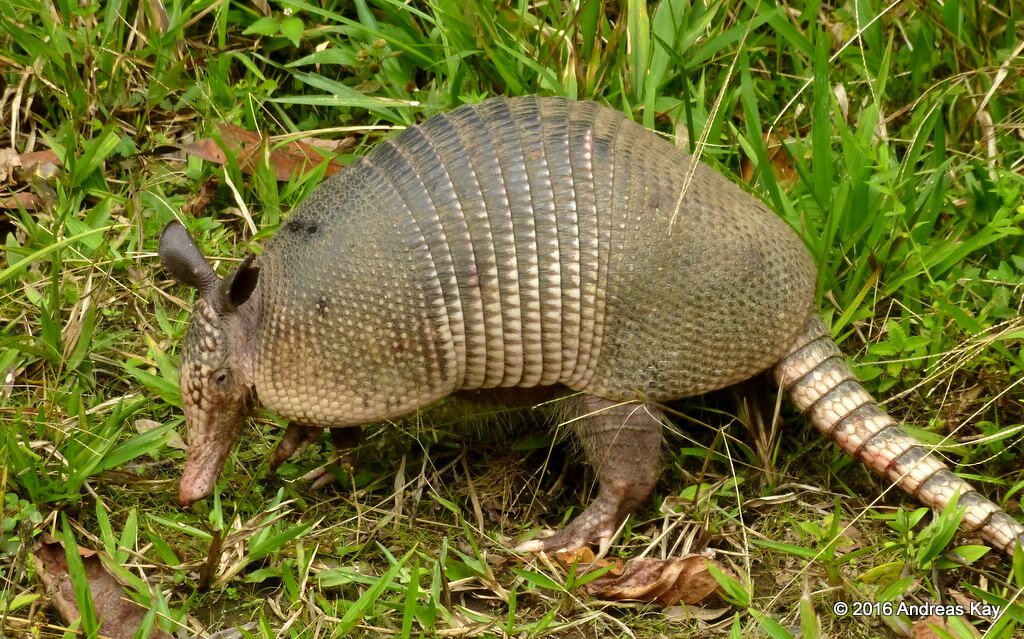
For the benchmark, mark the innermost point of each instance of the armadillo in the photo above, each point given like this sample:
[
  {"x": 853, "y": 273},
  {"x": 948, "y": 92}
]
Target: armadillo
[{"x": 519, "y": 243}]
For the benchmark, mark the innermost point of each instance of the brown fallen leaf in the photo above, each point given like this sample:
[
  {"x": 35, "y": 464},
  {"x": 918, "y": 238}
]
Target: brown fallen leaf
[
  {"x": 926, "y": 628},
  {"x": 9, "y": 160},
  {"x": 663, "y": 581},
  {"x": 119, "y": 617},
  {"x": 22, "y": 200},
  {"x": 779, "y": 158},
  {"x": 200, "y": 200},
  {"x": 584, "y": 555},
  {"x": 288, "y": 159},
  {"x": 22, "y": 168},
  {"x": 41, "y": 164}
]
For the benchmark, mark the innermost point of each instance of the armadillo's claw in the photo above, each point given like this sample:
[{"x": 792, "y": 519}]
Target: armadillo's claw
[
  {"x": 532, "y": 546},
  {"x": 325, "y": 475},
  {"x": 587, "y": 529},
  {"x": 321, "y": 477}
]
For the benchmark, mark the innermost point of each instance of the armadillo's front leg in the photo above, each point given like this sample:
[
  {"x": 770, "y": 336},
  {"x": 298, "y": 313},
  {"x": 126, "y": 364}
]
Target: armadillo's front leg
[
  {"x": 623, "y": 444},
  {"x": 296, "y": 438},
  {"x": 345, "y": 441}
]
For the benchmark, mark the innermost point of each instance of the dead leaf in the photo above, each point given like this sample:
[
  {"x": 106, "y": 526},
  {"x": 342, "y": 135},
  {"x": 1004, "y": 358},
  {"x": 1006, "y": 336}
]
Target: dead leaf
[
  {"x": 686, "y": 612},
  {"x": 119, "y": 617},
  {"x": 288, "y": 159},
  {"x": 663, "y": 581},
  {"x": 23, "y": 168},
  {"x": 42, "y": 164},
  {"x": 779, "y": 159},
  {"x": 175, "y": 441},
  {"x": 583, "y": 555},
  {"x": 961, "y": 598},
  {"x": 208, "y": 149},
  {"x": 200, "y": 200},
  {"x": 9, "y": 160},
  {"x": 925, "y": 628},
  {"x": 22, "y": 200}
]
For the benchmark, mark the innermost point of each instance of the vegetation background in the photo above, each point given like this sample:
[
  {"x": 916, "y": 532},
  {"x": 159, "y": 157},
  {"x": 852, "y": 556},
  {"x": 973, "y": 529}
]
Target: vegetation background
[{"x": 889, "y": 134}]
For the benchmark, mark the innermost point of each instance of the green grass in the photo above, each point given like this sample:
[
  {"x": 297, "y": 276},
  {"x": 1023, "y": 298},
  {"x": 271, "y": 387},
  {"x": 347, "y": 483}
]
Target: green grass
[{"x": 902, "y": 170}]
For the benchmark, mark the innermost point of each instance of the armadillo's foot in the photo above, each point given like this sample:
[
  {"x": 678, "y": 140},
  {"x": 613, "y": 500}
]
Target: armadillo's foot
[
  {"x": 596, "y": 525},
  {"x": 623, "y": 444},
  {"x": 345, "y": 441},
  {"x": 296, "y": 439}
]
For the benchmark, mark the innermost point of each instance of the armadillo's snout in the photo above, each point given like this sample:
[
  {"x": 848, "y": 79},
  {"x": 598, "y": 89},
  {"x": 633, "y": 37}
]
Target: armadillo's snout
[
  {"x": 207, "y": 451},
  {"x": 198, "y": 478},
  {"x": 187, "y": 496}
]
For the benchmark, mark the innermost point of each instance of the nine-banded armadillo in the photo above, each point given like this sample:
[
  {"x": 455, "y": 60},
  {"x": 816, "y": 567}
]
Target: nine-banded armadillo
[{"x": 527, "y": 242}]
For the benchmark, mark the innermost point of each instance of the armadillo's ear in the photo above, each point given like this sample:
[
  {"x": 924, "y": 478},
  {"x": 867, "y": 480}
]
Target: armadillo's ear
[
  {"x": 237, "y": 287},
  {"x": 179, "y": 256}
]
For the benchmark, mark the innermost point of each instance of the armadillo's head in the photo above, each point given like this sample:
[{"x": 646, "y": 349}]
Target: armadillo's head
[{"x": 216, "y": 374}]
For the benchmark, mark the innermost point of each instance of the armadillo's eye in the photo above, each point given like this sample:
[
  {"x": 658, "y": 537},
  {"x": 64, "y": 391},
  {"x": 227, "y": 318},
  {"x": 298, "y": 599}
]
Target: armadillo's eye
[{"x": 221, "y": 377}]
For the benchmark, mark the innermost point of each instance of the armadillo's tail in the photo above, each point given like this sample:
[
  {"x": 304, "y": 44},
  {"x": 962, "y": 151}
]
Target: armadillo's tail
[{"x": 824, "y": 388}]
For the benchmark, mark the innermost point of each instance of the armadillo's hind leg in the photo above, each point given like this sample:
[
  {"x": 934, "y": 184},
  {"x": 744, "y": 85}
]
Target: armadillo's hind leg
[{"x": 623, "y": 444}]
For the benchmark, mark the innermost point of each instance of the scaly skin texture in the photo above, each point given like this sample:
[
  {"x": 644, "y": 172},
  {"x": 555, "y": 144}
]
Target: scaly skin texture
[
  {"x": 217, "y": 361},
  {"x": 824, "y": 388},
  {"x": 216, "y": 397},
  {"x": 521, "y": 243}
]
